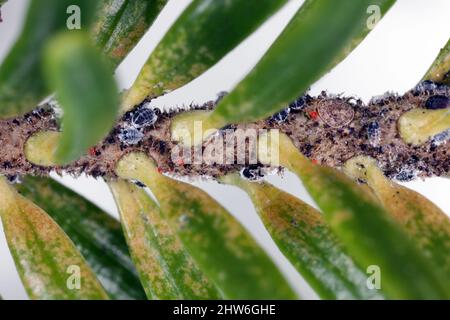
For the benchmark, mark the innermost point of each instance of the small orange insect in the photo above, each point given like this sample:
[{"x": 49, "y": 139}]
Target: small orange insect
[
  {"x": 91, "y": 151},
  {"x": 313, "y": 115}
]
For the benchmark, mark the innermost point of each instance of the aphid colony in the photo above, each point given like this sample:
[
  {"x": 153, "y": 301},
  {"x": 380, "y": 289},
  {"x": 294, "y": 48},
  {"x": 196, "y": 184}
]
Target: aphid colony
[
  {"x": 132, "y": 132},
  {"x": 137, "y": 120},
  {"x": 322, "y": 144}
]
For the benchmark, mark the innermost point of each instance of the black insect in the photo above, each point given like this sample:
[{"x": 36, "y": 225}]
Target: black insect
[
  {"x": 39, "y": 112},
  {"x": 110, "y": 139},
  {"x": 373, "y": 130},
  {"x": 405, "y": 175},
  {"x": 307, "y": 149},
  {"x": 425, "y": 86},
  {"x": 437, "y": 102},
  {"x": 130, "y": 135},
  {"x": 143, "y": 117},
  {"x": 281, "y": 116},
  {"x": 14, "y": 179},
  {"x": 297, "y": 104},
  {"x": 138, "y": 183},
  {"x": 440, "y": 138},
  {"x": 220, "y": 96},
  {"x": 252, "y": 172}
]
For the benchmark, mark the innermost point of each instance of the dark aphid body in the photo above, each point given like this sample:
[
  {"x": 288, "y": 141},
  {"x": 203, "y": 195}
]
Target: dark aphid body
[
  {"x": 143, "y": 117},
  {"x": 130, "y": 135},
  {"x": 220, "y": 96},
  {"x": 441, "y": 138},
  {"x": 373, "y": 133},
  {"x": 16, "y": 178},
  {"x": 405, "y": 175},
  {"x": 252, "y": 172},
  {"x": 437, "y": 102},
  {"x": 138, "y": 183},
  {"x": 429, "y": 87},
  {"x": 280, "y": 116},
  {"x": 425, "y": 86},
  {"x": 298, "y": 104}
]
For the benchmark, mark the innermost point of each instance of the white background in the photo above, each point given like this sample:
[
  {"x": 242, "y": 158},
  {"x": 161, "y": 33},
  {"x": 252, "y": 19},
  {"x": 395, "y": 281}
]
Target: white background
[{"x": 392, "y": 58}]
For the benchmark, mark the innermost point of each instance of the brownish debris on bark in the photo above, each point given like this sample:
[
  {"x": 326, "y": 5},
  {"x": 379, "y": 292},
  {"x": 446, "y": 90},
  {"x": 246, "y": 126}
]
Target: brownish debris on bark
[{"x": 327, "y": 129}]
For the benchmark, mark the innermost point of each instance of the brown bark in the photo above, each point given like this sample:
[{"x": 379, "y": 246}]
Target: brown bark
[{"x": 327, "y": 129}]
